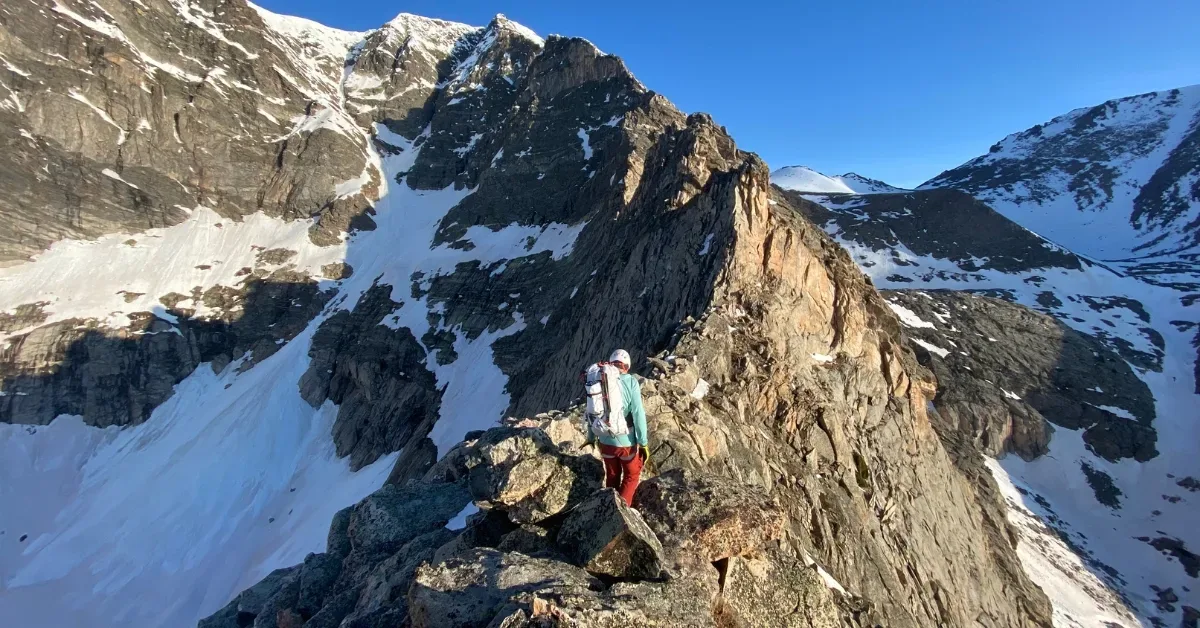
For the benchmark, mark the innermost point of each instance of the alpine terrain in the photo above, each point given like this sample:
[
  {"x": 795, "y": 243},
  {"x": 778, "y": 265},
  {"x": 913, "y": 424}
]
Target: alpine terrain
[
  {"x": 291, "y": 322},
  {"x": 1051, "y": 287}
]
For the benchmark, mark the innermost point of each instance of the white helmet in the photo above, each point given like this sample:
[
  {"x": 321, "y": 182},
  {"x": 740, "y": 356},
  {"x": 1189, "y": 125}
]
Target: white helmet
[{"x": 622, "y": 356}]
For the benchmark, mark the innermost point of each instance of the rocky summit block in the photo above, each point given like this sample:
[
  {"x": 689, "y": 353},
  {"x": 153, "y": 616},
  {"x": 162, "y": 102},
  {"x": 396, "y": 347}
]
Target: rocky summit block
[
  {"x": 607, "y": 537},
  {"x": 708, "y": 518}
]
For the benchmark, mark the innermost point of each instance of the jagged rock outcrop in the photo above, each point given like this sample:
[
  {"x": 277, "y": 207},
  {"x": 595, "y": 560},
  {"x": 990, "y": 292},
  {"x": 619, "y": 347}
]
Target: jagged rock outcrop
[
  {"x": 1131, "y": 161},
  {"x": 378, "y": 377},
  {"x": 946, "y": 224},
  {"x": 138, "y": 113},
  {"x": 390, "y": 560},
  {"x": 1004, "y": 370},
  {"x": 117, "y": 377}
]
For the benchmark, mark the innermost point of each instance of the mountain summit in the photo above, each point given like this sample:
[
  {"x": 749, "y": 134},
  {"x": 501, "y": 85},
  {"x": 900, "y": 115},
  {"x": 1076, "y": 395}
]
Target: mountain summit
[{"x": 807, "y": 180}]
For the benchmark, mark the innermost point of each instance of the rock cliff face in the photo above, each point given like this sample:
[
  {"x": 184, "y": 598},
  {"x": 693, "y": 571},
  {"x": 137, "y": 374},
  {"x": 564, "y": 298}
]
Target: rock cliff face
[{"x": 383, "y": 243}]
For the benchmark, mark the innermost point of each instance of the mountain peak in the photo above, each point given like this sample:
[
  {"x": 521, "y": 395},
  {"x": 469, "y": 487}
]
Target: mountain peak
[
  {"x": 805, "y": 179},
  {"x": 501, "y": 22}
]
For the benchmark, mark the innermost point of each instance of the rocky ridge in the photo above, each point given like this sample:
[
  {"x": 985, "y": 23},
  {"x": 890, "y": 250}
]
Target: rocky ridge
[
  {"x": 457, "y": 219},
  {"x": 808, "y": 396},
  {"x": 1114, "y": 181}
]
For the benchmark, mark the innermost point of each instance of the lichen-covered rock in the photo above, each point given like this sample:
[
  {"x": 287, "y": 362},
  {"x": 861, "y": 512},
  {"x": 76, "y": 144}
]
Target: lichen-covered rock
[
  {"x": 470, "y": 590},
  {"x": 607, "y": 537},
  {"x": 772, "y": 591},
  {"x": 524, "y": 474},
  {"x": 317, "y": 575},
  {"x": 530, "y": 540},
  {"x": 708, "y": 518},
  {"x": 338, "y": 541},
  {"x": 387, "y": 585},
  {"x": 393, "y": 515},
  {"x": 483, "y": 529},
  {"x": 688, "y": 602},
  {"x": 251, "y": 602}
]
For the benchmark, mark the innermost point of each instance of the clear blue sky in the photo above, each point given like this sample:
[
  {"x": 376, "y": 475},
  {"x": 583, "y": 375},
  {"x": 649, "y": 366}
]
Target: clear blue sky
[{"x": 894, "y": 90}]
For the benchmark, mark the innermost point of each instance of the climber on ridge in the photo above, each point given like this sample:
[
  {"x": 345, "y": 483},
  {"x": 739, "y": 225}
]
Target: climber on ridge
[{"x": 615, "y": 417}]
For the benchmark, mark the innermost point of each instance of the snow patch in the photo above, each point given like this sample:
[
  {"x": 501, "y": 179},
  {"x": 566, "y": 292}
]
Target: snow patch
[
  {"x": 908, "y": 317},
  {"x": 460, "y": 520},
  {"x": 931, "y": 347}
]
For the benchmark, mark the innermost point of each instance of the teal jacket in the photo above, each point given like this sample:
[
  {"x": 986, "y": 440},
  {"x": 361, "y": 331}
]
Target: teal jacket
[{"x": 631, "y": 391}]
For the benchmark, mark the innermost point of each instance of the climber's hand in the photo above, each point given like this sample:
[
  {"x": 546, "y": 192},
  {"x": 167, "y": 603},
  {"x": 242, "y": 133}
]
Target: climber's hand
[{"x": 645, "y": 452}]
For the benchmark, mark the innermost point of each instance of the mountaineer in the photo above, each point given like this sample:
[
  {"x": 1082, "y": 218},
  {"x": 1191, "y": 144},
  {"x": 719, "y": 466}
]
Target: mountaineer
[{"x": 615, "y": 417}]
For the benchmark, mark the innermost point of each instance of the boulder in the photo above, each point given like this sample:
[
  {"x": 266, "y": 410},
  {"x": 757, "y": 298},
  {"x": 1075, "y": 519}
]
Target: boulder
[
  {"x": 387, "y": 585},
  {"x": 774, "y": 591},
  {"x": 317, "y": 575},
  {"x": 335, "y": 610},
  {"x": 471, "y": 590},
  {"x": 679, "y": 602},
  {"x": 704, "y": 518},
  {"x": 338, "y": 541},
  {"x": 606, "y": 537},
  {"x": 522, "y": 472},
  {"x": 279, "y": 610},
  {"x": 393, "y": 515},
  {"x": 530, "y": 540}
]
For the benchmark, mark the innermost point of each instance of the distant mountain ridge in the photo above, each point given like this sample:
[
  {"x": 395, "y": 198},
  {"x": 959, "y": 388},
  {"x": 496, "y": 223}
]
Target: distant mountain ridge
[
  {"x": 1115, "y": 181},
  {"x": 1051, "y": 285}
]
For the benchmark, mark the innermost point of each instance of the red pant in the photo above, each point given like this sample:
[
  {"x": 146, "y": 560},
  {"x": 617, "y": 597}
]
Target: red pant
[{"x": 622, "y": 469}]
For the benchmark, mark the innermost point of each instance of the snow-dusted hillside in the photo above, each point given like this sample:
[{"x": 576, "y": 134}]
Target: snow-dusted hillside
[
  {"x": 1114, "y": 181},
  {"x": 237, "y": 473},
  {"x": 805, "y": 179},
  {"x": 1119, "y": 558}
]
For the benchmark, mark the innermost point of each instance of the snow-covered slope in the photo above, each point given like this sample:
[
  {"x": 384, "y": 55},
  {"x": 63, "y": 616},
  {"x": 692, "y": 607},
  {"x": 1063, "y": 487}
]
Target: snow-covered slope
[
  {"x": 1114, "y": 181},
  {"x": 236, "y": 474},
  {"x": 805, "y": 179}
]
